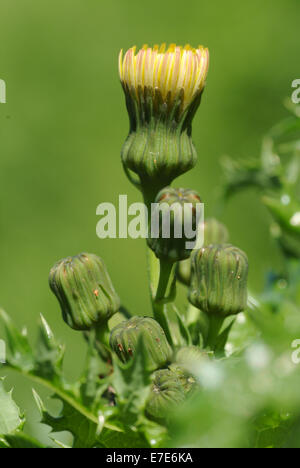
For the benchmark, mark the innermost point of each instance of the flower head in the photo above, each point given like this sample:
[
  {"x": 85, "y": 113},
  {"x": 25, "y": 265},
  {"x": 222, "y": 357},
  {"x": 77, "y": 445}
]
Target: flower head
[
  {"x": 169, "y": 71},
  {"x": 163, "y": 90}
]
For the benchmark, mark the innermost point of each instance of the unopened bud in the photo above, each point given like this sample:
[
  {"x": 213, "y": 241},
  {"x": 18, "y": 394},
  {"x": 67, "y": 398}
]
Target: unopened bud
[
  {"x": 166, "y": 393},
  {"x": 125, "y": 336},
  {"x": 84, "y": 291},
  {"x": 175, "y": 223},
  {"x": 219, "y": 280},
  {"x": 214, "y": 233}
]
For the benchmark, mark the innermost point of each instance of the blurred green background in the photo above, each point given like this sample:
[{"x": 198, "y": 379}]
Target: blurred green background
[{"x": 62, "y": 129}]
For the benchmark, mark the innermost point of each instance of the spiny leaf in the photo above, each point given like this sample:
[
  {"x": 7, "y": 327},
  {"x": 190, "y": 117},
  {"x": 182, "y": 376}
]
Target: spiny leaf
[
  {"x": 20, "y": 353},
  {"x": 92, "y": 388},
  {"x": 83, "y": 430},
  {"x": 132, "y": 383},
  {"x": 86, "y": 432},
  {"x": 10, "y": 418},
  {"x": 49, "y": 354}
]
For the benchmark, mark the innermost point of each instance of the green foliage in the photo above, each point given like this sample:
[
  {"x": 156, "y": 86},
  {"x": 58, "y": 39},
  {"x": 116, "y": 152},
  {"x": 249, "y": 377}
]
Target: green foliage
[
  {"x": 87, "y": 412},
  {"x": 243, "y": 393},
  {"x": 11, "y": 423},
  {"x": 9, "y": 412}
]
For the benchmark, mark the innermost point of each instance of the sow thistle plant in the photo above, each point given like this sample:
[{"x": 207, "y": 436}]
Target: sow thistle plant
[{"x": 211, "y": 373}]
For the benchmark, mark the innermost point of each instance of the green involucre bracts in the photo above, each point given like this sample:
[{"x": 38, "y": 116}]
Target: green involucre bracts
[
  {"x": 125, "y": 336},
  {"x": 166, "y": 393},
  {"x": 84, "y": 290},
  {"x": 219, "y": 280},
  {"x": 159, "y": 146},
  {"x": 214, "y": 233},
  {"x": 177, "y": 212}
]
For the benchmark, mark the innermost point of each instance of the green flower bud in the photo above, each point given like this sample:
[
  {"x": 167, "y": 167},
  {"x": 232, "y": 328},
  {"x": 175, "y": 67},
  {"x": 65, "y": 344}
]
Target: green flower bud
[
  {"x": 219, "y": 280},
  {"x": 84, "y": 291},
  {"x": 166, "y": 393},
  {"x": 176, "y": 213},
  {"x": 214, "y": 233},
  {"x": 187, "y": 380},
  {"x": 163, "y": 91},
  {"x": 191, "y": 354},
  {"x": 125, "y": 336},
  {"x": 187, "y": 359}
]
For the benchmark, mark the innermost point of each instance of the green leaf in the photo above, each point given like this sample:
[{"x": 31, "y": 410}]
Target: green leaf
[
  {"x": 87, "y": 432},
  {"x": 4, "y": 443},
  {"x": 242, "y": 334},
  {"x": 44, "y": 368},
  {"x": 184, "y": 331},
  {"x": 83, "y": 430},
  {"x": 271, "y": 430},
  {"x": 285, "y": 128},
  {"x": 10, "y": 418},
  {"x": 127, "y": 439},
  {"x": 49, "y": 354},
  {"x": 20, "y": 354},
  {"x": 132, "y": 384},
  {"x": 222, "y": 339},
  {"x": 156, "y": 435},
  {"x": 179, "y": 333},
  {"x": 92, "y": 388},
  {"x": 21, "y": 440}
]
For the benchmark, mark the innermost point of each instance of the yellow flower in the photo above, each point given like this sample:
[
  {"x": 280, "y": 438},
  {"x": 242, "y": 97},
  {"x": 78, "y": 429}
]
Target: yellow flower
[
  {"x": 169, "y": 71},
  {"x": 163, "y": 89}
]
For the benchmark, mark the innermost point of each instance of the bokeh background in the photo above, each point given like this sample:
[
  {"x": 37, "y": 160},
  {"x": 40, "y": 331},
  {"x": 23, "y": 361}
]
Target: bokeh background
[{"x": 64, "y": 122}]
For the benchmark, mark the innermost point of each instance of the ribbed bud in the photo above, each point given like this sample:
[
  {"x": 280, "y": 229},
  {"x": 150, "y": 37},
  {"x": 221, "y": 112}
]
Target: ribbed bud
[
  {"x": 174, "y": 222},
  {"x": 187, "y": 380},
  {"x": 163, "y": 91},
  {"x": 124, "y": 339},
  {"x": 219, "y": 280},
  {"x": 84, "y": 291},
  {"x": 187, "y": 360},
  {"x": 166, "y": 393},
  {"x": 214, "y": 233}
]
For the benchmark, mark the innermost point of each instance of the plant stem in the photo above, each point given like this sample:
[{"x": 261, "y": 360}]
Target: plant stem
[
  {"x": 102, "y": 334},
  {"x": 164, "y": 280},
  {"x": 163, "y": 296},
  {"x": 153, "y": 273},
  {"x": 160, "y": 274},
  {"x": 215, "y": 325}
]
